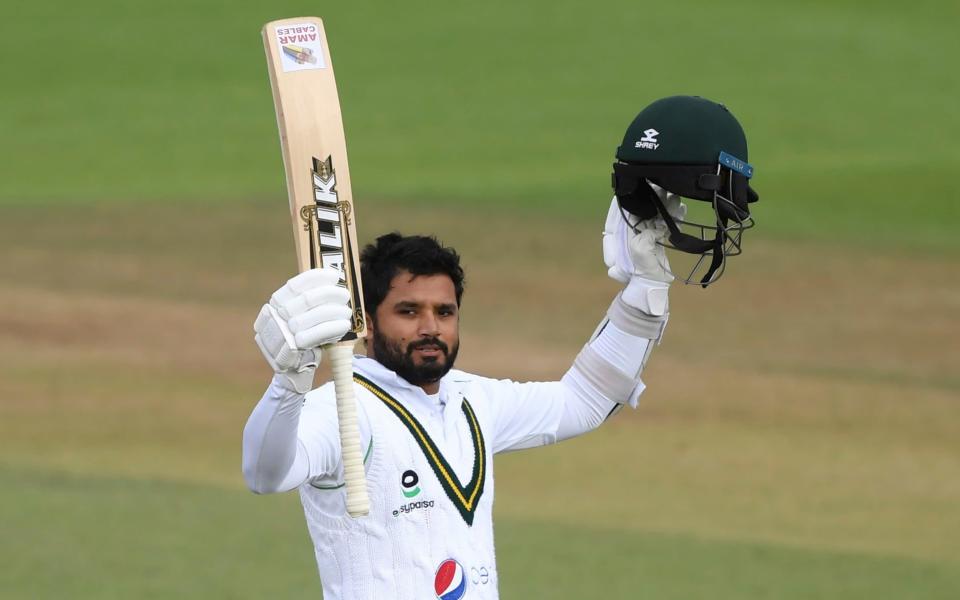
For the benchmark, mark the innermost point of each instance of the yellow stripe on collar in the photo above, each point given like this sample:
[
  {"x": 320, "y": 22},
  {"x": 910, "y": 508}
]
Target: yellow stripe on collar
[{"x": 465, "y": 498}]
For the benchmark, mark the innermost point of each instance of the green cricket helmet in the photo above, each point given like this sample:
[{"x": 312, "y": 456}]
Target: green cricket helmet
[{"x": 695, "y": 148}]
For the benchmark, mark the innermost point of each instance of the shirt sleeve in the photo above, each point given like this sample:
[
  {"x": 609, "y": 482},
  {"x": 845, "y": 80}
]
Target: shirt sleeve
[
  {"x": 527, "y": 415},
  {"x": 290, "y": 439}
]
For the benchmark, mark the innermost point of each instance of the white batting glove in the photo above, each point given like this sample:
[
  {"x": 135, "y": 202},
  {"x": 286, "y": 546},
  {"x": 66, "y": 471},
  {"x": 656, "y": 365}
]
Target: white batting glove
[
  {"x": 309, "y": 311},
  {"x": 634, "y": 255}
]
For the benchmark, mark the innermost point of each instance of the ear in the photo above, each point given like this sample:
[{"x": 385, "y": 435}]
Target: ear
[
  {"x": 368, "y": 339},
  {"x": 370, "y": 318},
  {"x": 371, "y": 323}
]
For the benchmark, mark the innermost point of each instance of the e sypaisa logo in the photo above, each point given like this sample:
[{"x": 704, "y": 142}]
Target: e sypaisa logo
[
  {"x": 410, "y": 487},
  {"x": 408, "y": 484},
  {"x": 412, "y": 506}
]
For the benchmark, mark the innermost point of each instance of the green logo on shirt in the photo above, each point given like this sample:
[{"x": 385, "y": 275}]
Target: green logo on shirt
[{"x": 409, "y": 481}]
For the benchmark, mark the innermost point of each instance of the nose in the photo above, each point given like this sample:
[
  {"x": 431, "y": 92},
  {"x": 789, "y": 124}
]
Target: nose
[{"x": 429, "y": 325}]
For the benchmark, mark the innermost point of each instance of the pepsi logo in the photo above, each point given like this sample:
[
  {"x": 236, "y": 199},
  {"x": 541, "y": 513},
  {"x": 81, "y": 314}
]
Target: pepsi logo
[{"x": 449, "y": 583}]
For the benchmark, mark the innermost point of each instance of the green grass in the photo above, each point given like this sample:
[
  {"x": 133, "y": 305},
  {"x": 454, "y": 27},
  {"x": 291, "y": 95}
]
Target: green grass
[
  {"x": 786, "y": 450},
  {"x": 799, "y": 434},
  {"x": 546, "y": 560},
  {"x": 849, "y": 109},
  {"x": 121, "y": 538},
  {"x": 100, "y": 537}
]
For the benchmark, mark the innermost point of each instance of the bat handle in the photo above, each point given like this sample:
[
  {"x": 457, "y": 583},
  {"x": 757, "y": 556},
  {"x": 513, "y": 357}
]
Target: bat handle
[{"x": 341, "y": 363}]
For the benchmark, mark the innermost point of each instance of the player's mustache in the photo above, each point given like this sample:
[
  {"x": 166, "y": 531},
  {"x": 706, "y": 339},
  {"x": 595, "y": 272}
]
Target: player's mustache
[{"x": 428, "y": 342}]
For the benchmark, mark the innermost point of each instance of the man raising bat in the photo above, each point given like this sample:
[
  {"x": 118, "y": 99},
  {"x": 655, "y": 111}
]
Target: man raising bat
[{"x": 428, "y": 431}]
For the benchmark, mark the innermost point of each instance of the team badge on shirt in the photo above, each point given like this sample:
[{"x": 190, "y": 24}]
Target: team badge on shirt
[{"x": 449, "y": 583}]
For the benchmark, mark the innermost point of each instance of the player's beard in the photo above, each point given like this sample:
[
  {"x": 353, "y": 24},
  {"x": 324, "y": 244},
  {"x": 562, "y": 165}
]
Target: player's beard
[{"x": 389, "y": 354}]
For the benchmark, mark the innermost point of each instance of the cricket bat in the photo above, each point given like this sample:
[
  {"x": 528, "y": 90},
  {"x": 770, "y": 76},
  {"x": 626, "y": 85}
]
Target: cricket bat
[{"x": 321, "y": 203}]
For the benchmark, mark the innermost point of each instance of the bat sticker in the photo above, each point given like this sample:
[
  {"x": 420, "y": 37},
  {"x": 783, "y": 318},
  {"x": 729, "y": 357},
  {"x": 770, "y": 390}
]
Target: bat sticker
[
  {"x": 300, "y": 47},
  {"x": 328, "y": 222},
  {"x": 299, "y": 54}
]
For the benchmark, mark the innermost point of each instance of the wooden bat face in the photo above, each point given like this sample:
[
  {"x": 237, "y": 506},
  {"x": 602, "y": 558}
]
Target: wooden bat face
[{"x": 314, "y": 152}]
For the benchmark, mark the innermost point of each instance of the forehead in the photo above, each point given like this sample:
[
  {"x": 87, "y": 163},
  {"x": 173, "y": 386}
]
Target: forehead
[{"x": 433, "y": 289}]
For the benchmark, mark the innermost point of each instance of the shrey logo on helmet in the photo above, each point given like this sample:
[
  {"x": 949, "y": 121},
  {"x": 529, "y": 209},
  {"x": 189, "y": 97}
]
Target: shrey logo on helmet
[
  {"x": 649, "y": 140},
  {"x": 700, "y": 154},
  {"x": 450, "y": 583}
]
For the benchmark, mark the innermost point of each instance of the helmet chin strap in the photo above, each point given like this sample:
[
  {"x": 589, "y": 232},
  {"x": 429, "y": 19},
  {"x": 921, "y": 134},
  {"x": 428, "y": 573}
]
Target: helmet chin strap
[
  {"x": 717, "y": 260},
  {"x": 692, "y": 244}
]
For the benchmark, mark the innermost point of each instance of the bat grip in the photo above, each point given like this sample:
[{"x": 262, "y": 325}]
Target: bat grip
[{"x": 341, "y": 363}]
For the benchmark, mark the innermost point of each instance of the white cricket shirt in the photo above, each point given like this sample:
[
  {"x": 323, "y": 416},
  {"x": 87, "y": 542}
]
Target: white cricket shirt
[{"x": 429, "y": 465}]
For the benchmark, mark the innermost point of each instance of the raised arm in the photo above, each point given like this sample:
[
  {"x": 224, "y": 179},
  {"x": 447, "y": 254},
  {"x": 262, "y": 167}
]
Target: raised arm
[
  {"x": 606, "y": 373},
  {"x": 279, "y": 451}
]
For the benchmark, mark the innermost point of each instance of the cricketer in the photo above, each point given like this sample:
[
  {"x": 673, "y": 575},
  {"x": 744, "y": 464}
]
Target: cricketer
[{"x": 429, "y": 431}]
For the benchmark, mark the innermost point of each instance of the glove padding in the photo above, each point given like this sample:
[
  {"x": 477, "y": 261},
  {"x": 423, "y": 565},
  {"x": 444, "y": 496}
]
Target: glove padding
[
  {"x": 310, "y": 310},
  {"x": 634, "y": 254}
]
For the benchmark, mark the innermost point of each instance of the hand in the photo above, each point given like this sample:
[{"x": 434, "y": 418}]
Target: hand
[
  {"x": 634, "y": 253},
  {"x": 309, "y": 311}
]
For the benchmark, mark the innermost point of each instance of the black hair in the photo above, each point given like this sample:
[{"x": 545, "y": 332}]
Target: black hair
[{"x": 392, "y": 253}]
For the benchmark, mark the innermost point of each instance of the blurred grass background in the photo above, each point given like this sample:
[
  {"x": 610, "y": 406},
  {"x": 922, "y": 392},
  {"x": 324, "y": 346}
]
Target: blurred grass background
[
  {"x": 800, "y": 436},
  {"x": 849, "y": 111}
]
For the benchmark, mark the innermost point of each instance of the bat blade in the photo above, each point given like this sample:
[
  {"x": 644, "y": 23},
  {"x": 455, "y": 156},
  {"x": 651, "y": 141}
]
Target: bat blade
[
  {"x": 321, "y": 202},
  {"x": 314, "y": 152}
]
